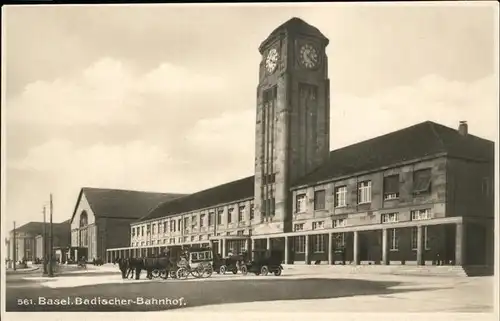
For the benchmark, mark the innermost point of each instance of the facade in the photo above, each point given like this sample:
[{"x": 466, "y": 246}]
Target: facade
[
  {"x": 102, "y": 219},
  {"x": 423, "y": 194},
  {"x": 29, "y": 240}
]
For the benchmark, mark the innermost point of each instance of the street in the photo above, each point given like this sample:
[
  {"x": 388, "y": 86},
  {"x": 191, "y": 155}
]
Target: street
[{"x": 106, "y": 291}]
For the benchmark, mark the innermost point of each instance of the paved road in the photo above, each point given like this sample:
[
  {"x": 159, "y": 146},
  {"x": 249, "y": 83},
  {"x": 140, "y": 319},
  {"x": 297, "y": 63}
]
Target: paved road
[{"x": 23, "y": 295}]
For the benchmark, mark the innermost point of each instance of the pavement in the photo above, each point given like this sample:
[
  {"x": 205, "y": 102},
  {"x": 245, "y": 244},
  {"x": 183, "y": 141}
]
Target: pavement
[{"x": 301, "y": 288}]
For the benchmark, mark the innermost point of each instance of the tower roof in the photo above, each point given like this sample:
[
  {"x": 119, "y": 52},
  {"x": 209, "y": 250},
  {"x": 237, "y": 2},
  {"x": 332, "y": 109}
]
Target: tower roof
[{"x": 294, "y": 26}]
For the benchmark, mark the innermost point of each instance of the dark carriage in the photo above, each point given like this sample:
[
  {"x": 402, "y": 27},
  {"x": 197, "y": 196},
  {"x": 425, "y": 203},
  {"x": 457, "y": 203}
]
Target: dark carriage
[
  {"x": 232, "y": 263},
  {"x": 265, "y": 262}
]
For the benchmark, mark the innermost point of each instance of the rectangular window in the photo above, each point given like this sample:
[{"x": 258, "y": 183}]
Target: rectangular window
[
  {"x": 165, "y": 225},
  {"x": 142, "y": 230},
  {"x": 179, "y": 222},
  {"x": 319, "y": 200},
  {"x": 219, "y": 217},
  {"x": 422, "y": 181},
  {"x": 339, "y": 240},
  {"x": 202, "y": 220},
  {"x": 390, "y": 218},
  {"x": 298, "y": 227},
  {"x": 340, "y": 196},
  {"x": 252, "y": 214},
  {"x": 391, "y": 187},
  {"x": 393, "y": 240},
  {"x": 318, "y": 225},
  {"x": 228, "y": 233},
  {"x": 300, "y": 203},
  {"x": 192, "y": 238},
  {"x": 339, "y": 223},
  {"x": 230, "y": 215},
  {"x": 242, "y": 232},
  {"x": 241, "y": 211},
  {"x": 173, "y": 226},
  {"x": 186, "y": 223},
  {"x": 211, "y": 218},
  {"x": 148, "y": 229},
  {"x": 418, "y": 215},
  {"x": 133, "y": 231},
  {"x": 319, "y": 243},
  {"x": 154, "y": 228},
  {"x": 364, "y": 192},
  {"x": 299, "y": 244},
  {"x": 194, "y": 222},
  {"x": 414, "y": 237}
]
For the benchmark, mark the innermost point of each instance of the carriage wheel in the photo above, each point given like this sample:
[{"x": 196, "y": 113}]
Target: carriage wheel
[
  {"x": 196, "y": 273},
  {"x": 234, "y": 270},
  {"x": 182, "y": 273},
  {"x": 164, "y": 274},
  {"x": 222, "y": 269},
  {"x": 155, "y": 273},
  {"x": 207, "y": 272},
  {"x": 264, "y": 270},
  {"x": 277, "y": 272},
  {"x": 173, "y": 274},
  {"x": 244, "y": 269}
]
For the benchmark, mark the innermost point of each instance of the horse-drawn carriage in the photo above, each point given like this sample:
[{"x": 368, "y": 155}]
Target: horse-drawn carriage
[{"x": 195, "y": 262}]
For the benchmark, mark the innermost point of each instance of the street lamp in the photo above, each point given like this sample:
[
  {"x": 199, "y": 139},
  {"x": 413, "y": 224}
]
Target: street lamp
[
  {"x": 51, "y": 268},
  {"x": 44, "y": 241}
]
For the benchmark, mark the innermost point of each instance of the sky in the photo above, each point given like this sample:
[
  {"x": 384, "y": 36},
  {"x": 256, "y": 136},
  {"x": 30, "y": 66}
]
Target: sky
[{"x": 162, "y": 98}]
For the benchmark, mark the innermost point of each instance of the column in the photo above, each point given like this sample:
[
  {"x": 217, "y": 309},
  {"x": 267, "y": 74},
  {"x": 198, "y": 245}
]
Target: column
[
  {"x": 268, "y": 243},
  {"x": 287, "y": 250},
  {"x": 247, "y": 245},
  {"x": 253, "y": 248},
  {"x": 356, "y": 248},
  {"x": 330, "y": 248},
  {"x": 385, "y": 247},
  {"x": 224, "y": 243},
  {"x": 460, "y": 244},
  {"x": 420, "y": 246},
  {"x": 307, "y": 250}
]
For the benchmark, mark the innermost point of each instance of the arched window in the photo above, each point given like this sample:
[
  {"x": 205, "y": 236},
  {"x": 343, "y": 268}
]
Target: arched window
[{"x": 83, "y": 219}]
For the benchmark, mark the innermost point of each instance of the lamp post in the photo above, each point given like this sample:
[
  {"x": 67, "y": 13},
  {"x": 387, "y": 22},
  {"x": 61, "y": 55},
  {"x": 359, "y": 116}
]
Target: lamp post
[
  {"x": 51, "y": 268},
  {"x": 14, "y": 246},
  {"x": 44, "y": 241}
]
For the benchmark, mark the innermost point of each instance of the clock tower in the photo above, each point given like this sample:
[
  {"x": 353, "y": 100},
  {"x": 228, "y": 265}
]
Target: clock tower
[{"x": 293, "y": 126}]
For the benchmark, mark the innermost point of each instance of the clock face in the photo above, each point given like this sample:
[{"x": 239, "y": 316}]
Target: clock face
[
  {"x": 272, "y": 60},
  {"x": 308, "y": 56}
]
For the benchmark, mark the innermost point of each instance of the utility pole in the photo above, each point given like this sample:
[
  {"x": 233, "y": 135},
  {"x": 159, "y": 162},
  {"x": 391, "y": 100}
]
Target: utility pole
[
  {"x": 51, "y": 268},
  {"x": 44, "y": 241},
  {"x": 14, "y": 247}
]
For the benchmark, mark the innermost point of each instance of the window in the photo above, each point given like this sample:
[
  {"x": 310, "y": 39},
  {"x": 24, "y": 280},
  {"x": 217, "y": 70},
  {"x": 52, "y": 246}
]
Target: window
[
  {"x": 159, "y": 227},
  {"x": 299, "y": 245},
  {"x": 318, "y": 225},
  {"x": 391, "y": 187},
  {"x": 194, "y": 222},
  {"x": 179, "y": 222},
  {"x": 133, "y": 231},
  {"x": 219, "y": 217},
  {"x": 390, "y": 217},
  {"x": 251, "y": 212},
  {"x": 230, "y": 215},
  {"x": 241, "y": 210},
  {"x": 164, "y": 241},
  {"x": 211, "y": 218},
  {"x": 364, "y": 192},
  {"x": 414, "y": 237},
  {"x": 165, "y": 225},
  {"x": 269, "y": 179},
  {"x": 393, "y": 240},
  {"x": 319, "y": 200},
  {"x": 319, "y": 243},
  {"x": 424, "y": 214},
  {"x": 339, "y": 223},
  {"x": 172, "y": 224},
  {"x": 142, "y": 230},
  {"x": 138, "y": 230},
  {"x": 192, "y": 238},
  {"x": 202, "y": 220},
  {"x": 340, "y": 196},
  {"x": 154, "y": 228},
  {"x": 339, "y": 240},
  {"x": 422, "y": 181},
  {"x": 148, "y": 229},
  {"x": 298, "y": 227},
  {"x": 228, "y": 233},
  {"x": 300, "y": 203},
  {"x": 186, "y": 223},
  {"x": 242, "y": 232}
]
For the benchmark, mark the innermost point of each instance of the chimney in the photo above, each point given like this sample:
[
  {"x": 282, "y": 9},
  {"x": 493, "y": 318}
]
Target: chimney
[{"x": 463, "y": 129}]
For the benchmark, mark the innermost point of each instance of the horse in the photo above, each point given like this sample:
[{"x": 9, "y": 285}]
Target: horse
[{"x": 135, "y": 266}]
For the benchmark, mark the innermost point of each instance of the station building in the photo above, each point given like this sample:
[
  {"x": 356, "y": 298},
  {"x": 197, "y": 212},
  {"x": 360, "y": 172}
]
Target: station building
[{"x": 420, "y": 195}]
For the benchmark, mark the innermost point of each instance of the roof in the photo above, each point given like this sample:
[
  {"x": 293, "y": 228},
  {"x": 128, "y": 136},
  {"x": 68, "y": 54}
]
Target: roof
[
  {"x": 36, "y": 228},
  {"x": 117, "y": 203},
  {"x": 226, "y": 193},
  {"x": 411, "y": 143},
  {"x": 297, "y": 26}
]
